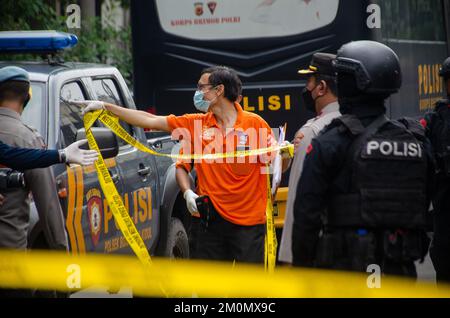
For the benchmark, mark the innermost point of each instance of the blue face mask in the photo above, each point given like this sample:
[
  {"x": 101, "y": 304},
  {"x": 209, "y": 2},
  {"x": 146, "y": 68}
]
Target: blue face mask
[{"x": 199, "y": 103}]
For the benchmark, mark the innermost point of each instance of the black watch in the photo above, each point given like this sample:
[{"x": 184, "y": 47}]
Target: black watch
[{"x": 62, "y": 156}]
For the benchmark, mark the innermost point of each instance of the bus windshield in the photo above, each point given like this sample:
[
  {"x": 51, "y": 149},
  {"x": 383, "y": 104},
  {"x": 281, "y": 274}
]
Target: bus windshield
[{"x": 237, "y": 19}]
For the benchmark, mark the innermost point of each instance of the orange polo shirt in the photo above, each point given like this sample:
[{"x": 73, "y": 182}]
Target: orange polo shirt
[{"x": 237, "y": 187}]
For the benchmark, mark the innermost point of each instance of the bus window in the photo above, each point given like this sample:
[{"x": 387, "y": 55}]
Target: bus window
[
  {"x": 415, "y": 30},
  {"x": 413, "y": 20},
  {"x": 237, "y": 19}
]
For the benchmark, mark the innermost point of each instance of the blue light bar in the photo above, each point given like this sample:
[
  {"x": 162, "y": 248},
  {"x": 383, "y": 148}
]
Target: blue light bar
[{"x": 36, "y": 41}]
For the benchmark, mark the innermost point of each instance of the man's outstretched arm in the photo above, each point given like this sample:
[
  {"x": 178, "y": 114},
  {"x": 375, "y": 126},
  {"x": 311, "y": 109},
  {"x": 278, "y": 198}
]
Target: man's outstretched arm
[
  {"x": 26, "y": 158},
  {"x": 133, "y": 117}
]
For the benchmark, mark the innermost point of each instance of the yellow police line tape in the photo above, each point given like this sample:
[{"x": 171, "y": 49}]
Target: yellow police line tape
[
  {"x": 112, "y": 122},
  {"x": 187, "y": 278},
  {"x": 270, "y": 240},
  {"x": 121, "y": 214}
]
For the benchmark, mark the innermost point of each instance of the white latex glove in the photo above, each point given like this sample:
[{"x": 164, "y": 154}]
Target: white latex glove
[
  {"x": 286, "y": 152},
  {"x": 88, "y": 105},
  {"x": 80, "y": 156},
  {"x": 190, "y": 197}
]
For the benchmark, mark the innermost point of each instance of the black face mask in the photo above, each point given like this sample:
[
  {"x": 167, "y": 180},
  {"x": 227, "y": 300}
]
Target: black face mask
[{"x": 308, "y": 100}]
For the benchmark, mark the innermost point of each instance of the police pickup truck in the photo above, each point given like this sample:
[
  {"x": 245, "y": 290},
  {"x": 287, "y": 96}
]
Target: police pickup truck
[{"x": 147, "y": 183}]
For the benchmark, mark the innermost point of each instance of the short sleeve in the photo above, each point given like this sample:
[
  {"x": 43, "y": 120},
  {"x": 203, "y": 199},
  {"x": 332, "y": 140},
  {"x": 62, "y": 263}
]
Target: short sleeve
[
  {"x": 186, "y": 164},
  {"x": 185, "y": 121}
]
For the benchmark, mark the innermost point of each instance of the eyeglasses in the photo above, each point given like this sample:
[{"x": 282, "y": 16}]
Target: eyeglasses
[{"x": 200, "y": 87}]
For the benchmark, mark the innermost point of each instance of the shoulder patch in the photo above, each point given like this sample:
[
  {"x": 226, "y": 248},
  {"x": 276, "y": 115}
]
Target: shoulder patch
[
  {"x": 414, "y": 126},
  {"x": 309, "y": 149},
  {"x": 423, "y": 122}
]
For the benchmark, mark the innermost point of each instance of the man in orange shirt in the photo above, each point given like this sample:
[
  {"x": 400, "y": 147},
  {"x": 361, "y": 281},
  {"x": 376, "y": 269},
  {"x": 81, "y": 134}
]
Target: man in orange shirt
[{"x": 236, "y": 187}]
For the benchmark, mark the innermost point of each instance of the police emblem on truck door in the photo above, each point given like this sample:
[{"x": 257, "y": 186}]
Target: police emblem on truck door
[{"x": 94, "y": 207}]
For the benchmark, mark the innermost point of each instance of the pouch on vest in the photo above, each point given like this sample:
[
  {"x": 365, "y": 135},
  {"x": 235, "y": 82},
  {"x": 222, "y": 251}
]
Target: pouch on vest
[
  {"x": 328, "y": 249},
  {"x": 361, "y": 249},
  {"x": 402, "y": 246},
  {"x": 346, "y": 249}
]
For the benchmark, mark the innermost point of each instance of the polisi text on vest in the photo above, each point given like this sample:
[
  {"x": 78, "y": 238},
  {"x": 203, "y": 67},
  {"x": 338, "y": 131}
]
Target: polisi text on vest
[{"x": 394, "y": 148}]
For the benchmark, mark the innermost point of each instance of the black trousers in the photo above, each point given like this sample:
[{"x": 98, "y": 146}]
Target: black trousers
[
  {"x": 347, "y": 250},
  {"x": 222, "y": 240},
  {"x": 440, "y": 247}
]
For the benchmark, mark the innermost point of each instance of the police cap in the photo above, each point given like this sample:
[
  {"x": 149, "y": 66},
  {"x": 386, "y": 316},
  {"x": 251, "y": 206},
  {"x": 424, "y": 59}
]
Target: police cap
[
  {"x": 13, "y": 73},
  {"x": 321, "y": 63}
]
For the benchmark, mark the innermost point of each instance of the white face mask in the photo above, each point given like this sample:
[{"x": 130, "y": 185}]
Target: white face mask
[{"x": 200, "y": 103}]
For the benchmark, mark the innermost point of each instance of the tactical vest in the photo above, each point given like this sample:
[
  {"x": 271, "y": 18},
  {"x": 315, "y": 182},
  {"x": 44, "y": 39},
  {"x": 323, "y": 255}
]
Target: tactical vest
[
  {"x": 440, "y": 136},
  {"x": 388, "y": 167}
]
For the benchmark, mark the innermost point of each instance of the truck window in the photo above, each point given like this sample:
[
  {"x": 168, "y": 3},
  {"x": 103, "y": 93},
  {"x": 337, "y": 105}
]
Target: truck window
[
  {"x": 70, "y": 115},
  {"x": 33, "y": 113},
  {"x": 107, "y": 91}
]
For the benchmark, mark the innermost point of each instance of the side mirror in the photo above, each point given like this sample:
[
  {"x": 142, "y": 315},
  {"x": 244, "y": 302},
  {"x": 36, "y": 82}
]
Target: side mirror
[{"x": 105, "y": 138}]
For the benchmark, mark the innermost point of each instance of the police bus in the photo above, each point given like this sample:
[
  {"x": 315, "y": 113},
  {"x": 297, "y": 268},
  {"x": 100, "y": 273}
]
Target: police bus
[{"x": 267, "y": 41}]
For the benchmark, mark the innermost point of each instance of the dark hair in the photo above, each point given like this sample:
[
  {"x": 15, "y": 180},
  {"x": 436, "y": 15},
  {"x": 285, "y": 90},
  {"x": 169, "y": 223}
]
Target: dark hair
[
  {"x": 14, "y": 90},
  {"x": 330, "y": 80},
  {"x": 226, "y": 76}
]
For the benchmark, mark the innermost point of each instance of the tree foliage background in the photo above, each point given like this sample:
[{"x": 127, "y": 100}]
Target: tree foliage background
[{"x": 97, "y": 43}]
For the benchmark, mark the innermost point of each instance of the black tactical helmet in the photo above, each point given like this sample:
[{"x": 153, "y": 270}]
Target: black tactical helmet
[
  {"x": 445, "y": 69},
  {"x": 373, "y": 67}
]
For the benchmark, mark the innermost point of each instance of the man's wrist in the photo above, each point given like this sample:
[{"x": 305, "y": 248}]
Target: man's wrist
[
  {"x": 185, "y": 193},
  {"x": 62, "y": 156}
]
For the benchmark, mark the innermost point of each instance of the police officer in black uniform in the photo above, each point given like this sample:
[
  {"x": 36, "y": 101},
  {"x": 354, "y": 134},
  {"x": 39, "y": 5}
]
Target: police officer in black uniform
[
  {"x": 437, "y": 127},
  {"x": 363, "y": 195}
]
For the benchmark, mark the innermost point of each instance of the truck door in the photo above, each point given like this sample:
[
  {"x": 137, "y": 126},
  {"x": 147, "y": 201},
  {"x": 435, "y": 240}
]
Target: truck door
[
  {"x": 88, "y": 221},
  {"x": 137, "y": 169}
]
